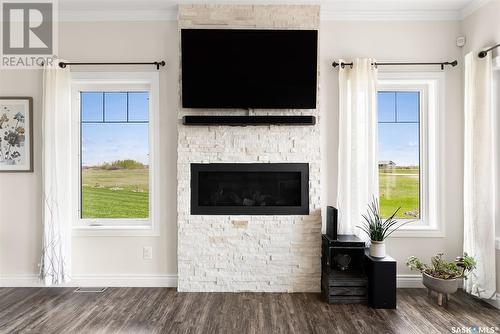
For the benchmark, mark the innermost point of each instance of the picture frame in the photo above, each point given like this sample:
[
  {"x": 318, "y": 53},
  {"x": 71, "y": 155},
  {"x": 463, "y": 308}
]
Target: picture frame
[{"x": 16, "y": 134}]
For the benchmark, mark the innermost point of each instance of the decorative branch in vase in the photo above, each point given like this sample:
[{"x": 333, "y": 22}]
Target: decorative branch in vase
[{"x": 378, "y": 228}]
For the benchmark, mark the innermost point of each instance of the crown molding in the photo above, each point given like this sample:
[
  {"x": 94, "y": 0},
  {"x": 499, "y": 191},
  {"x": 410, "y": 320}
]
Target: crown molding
[
  {"x": 470, "y": 8},
  {"x": 339, "y": 10},
  {"x": 326, "y": 15},
  {"x": 390, "y": 15},
  {"x": 117, "y": 15}
]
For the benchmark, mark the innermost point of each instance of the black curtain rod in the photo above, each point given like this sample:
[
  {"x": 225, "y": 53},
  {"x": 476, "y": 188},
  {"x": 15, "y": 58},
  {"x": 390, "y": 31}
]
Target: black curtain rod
[
  {"x": 155, "y": 63},
  {"x": 483, "y": 54},
  {"x": 442, "y": 64}
]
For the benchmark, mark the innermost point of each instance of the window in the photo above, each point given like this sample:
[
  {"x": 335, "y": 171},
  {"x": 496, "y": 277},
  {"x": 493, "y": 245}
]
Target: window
[
  {"x": 399, "y": 153},
  {"x": 114, "y": 164},
  {"x": 114, "y": 142},
  {"x": 409, "y": 131}
]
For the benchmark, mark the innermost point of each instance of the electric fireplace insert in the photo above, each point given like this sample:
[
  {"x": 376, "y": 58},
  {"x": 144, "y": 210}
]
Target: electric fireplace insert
[{"x": 250, "y": 189}]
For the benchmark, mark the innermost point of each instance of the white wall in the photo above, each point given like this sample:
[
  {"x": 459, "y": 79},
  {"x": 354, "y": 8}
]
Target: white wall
[
  {"x": 20, "y": 194},
  {"x": 20, "y": 201},
  {"x": 482, "y": 30},
  {"x": 134, "y": 41},
  {"x": 20, "y": 230},
  {"x": 399, "y": 41}
]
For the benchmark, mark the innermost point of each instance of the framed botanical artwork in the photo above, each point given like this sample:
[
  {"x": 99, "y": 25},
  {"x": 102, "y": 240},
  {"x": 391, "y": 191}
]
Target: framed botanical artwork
[{"x": 16, "y": 134}]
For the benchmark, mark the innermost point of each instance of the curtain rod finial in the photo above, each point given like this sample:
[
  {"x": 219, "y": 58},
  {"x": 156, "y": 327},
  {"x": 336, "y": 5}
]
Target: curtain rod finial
[
  {"x": 159, "y": 63},
  {"x": 335, "y": 64},
  {"x": 454, "y": 63},
  {"x": 482, "y": 54},
  {"x": 62, "y": 64}
]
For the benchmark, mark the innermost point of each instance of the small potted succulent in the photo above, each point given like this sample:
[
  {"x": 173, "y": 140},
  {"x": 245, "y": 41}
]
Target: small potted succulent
[
  {"x": 443, "y": 276},
  {"x": 378, "y": 228}
]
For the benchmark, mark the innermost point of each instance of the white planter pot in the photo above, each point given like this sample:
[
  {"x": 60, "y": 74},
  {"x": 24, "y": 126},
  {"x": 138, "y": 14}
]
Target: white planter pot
[
  {"x": 377, "y": 249},
  {"x": 440, "y": 285},
  {"x": 443, "y": 287}
]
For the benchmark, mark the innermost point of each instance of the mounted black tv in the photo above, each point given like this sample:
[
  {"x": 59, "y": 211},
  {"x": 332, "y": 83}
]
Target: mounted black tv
[{"x": 262, "y": 69}]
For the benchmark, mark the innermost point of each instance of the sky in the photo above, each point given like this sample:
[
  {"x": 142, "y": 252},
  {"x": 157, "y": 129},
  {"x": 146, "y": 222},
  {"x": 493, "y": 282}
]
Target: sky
[
  {"x": 114, "y": 141},
  {"x": 399, "y": 132}
]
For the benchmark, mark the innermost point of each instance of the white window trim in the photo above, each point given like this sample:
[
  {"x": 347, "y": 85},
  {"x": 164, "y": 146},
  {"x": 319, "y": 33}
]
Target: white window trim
[
  {"x": 496, "y": 63},
  {"x": 431, "y": 86},
  {"x": 117, "y": 81}
]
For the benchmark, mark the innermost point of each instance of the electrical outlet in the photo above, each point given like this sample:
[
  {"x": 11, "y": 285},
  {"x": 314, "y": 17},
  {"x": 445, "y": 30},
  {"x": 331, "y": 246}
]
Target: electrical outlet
[{"x": 147, "y": 252}]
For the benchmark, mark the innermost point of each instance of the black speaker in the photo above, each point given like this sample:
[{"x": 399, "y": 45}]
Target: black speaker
[
  {"x": 331, "y": 222},
  {"x": 381, "y": 281}
]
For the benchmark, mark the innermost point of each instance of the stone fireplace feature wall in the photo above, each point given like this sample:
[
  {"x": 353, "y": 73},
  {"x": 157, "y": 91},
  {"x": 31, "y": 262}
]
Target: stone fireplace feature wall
[{"x": 248, "y": 253}]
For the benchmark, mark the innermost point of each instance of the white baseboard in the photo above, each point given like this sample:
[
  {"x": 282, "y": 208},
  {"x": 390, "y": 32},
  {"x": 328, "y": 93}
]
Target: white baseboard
[
  {"x": 495, "y": 303},
  {"x": 409, "y": 281},
  {"x": 167, "y": 281},
  {"x": 403, "y": 281},
  {"x": 21, "y": 281},
  {"x": 95, "y": 281}
]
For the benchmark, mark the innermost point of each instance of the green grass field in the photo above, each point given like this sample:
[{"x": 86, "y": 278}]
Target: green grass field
[
  {"x": 122, "y": 193},
  {"x": 399, "y": 187}
]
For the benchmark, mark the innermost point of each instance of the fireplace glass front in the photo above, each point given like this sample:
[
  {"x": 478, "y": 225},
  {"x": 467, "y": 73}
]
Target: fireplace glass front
[{"x": 245, "y": 189}]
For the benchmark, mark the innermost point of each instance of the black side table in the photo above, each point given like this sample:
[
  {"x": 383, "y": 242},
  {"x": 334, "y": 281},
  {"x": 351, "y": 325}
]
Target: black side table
[{"x": 381, "y": 274}]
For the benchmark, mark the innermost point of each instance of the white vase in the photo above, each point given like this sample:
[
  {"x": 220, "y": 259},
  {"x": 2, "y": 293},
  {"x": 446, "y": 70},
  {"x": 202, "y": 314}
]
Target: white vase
[{"x": 377, "y": 249}]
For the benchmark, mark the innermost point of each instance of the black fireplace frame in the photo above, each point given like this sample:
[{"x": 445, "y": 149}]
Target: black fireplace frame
[{"x": 303, "y": 209}]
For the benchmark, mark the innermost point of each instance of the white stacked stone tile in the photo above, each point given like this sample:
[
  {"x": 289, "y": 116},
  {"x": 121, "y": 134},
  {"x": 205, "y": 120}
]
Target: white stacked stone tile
[{"x": 248, "y": 253}]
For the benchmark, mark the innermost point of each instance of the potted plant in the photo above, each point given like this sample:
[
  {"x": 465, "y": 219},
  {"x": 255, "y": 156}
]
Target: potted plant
[
  {"x": 443, "y": 276},
  {"x": 378, "y": 228}
]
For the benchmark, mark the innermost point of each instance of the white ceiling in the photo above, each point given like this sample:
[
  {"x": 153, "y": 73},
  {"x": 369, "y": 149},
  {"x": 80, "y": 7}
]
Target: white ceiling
[{"x": 135, "y": 10}]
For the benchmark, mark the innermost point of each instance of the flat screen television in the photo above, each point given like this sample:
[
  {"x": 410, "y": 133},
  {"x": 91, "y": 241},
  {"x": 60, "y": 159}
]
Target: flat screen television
[{"x": 261, "y": 69}]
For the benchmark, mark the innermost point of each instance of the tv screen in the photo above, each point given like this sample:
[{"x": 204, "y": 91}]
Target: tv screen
[{"x": 265, "y": 69}]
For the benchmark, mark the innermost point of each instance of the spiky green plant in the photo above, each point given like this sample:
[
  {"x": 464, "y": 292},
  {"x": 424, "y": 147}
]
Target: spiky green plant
[{"x": 376, "y": 227}]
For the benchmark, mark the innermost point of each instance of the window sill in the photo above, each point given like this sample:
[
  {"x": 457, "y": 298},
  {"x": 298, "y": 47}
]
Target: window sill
[
  {"x": 115, "y": 231},
  {"x": 419, "y": 232}
]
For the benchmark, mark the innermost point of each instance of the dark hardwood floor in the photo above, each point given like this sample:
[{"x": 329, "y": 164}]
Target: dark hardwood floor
[{"x": 161, "y": 310}]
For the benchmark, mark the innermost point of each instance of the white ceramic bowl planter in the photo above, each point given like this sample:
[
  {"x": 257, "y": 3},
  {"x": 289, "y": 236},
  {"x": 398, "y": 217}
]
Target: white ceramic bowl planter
[
  {"x": 442, "y": 276},
  {"x": 443, "y": 287}
]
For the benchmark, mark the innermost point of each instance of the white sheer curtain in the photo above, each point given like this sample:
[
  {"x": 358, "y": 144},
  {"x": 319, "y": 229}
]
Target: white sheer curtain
[
  {"x": 358, "y": 143},
  {"x": 56, "y": 136},
  {"x": 479, "y": 176}
]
